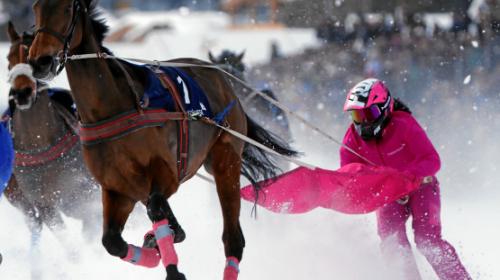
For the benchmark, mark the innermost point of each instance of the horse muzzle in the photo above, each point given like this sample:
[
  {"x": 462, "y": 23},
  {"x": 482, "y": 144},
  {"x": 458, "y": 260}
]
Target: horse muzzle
[
  {"x": 23, "y": 98},
  {"x": 44, "y": 68}
]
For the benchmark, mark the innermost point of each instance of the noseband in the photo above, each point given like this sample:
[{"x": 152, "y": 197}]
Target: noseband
[{"x": 65, "y": 39}]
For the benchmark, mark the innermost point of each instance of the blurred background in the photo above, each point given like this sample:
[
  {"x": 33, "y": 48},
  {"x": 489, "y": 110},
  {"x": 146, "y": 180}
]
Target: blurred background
[{"x": 440, "y": 57}]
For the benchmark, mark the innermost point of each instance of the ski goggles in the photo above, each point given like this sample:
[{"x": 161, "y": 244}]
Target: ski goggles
[{"x": 366, "y": 115}]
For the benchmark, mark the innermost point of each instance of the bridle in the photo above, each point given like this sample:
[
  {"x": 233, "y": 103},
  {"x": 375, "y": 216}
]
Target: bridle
[
  {"x": 66, "y": 38},
  {"x": 24, "y": 69}
]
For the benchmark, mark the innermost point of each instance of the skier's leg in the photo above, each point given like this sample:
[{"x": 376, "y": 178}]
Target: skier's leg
[
  {"x": 391, "y": 221},
  {"x": 426, "y": 206}
]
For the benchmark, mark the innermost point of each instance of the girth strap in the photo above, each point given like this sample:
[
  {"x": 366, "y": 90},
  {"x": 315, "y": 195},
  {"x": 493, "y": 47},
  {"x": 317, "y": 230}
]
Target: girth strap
[
  {"x": 128, "y": 122},
  {"x": 124, "y": 124},
  {"x": 182, "y": 125},
  {"x": 60, "y": 149}
]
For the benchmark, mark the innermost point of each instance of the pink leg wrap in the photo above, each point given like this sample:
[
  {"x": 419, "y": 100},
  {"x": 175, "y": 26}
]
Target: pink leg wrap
[
  {"x": 165, "y": 240},
  {"x": 232, "y": 269},
  {"x": 147, "y": 257}
]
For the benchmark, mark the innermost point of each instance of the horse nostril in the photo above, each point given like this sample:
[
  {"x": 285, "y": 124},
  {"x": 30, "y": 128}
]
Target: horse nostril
[
  {"x": 43, "y": 67},
  {"x": 21, "y": 93},
  {"x": 44, "y": 61}
]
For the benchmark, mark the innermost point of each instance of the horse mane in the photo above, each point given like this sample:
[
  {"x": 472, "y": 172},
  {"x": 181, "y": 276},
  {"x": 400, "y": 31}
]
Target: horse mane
[{"x": 99, "y": 26}]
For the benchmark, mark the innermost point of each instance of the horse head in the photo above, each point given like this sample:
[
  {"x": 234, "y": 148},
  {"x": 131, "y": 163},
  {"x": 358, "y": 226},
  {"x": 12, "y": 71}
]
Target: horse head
[
  {"x": 23, "y": 90},
  {"x": 59, "y": 30},
  {"x": 230, "y": 61}
]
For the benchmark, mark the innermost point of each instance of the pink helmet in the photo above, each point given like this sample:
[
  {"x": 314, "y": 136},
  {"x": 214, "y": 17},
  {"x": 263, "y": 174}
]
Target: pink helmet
[
  {"x": 366, "y": 93},
  {"x": 370, "y": 104}
]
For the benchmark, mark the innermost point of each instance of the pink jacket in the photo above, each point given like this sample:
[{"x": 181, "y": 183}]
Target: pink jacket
[{"x": 404, "y": 146}]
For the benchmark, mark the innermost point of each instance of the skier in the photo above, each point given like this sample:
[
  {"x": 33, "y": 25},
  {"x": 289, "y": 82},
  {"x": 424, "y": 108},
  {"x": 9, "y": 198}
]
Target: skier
[
  {"x": 6, "y": 159},
  {"x": 384, "y": 132}
]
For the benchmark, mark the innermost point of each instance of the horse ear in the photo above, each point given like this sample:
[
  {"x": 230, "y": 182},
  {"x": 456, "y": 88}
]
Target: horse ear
[
  {"x": 242, "y": 54},
  {"x": 211, "y": 56},
  {"x": 11, "y": 31}
]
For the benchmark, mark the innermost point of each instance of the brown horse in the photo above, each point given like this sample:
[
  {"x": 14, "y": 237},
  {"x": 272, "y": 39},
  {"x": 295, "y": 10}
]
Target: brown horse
[
  {"x": 144, "y": 165},
  {"x": 50, "y": 177}
]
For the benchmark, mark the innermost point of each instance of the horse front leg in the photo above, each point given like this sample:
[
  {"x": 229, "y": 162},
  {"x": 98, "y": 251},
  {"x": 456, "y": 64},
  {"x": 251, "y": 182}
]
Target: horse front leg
[
  {"x": 160, "y": 213},
  {"x": 53, "y": 219},
  {"x": 33, "y": 220},
  {"x": 226, "y": 167},
  {"x": 116, "y": 209},
  {"x": 179, "y": 234}
]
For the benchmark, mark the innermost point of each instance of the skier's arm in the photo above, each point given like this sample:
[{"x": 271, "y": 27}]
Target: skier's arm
[
  {"x": 427, "y": 161},
  {"x": 346, "y": 156}
]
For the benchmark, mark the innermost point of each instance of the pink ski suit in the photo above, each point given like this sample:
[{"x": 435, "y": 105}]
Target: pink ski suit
[{"x": 405, "y": 146}]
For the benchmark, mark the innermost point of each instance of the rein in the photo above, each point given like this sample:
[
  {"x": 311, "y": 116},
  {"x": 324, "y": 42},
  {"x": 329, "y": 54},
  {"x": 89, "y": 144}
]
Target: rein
[{"x": 253, "y": 92}]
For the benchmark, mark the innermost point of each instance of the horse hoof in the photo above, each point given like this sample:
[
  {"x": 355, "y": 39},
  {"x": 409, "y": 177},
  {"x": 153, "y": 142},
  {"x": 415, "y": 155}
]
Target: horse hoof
[
  {"x": 179, "y": 235},
  {"x": 150, "y": 241},
  {"x": 179, "y": 276},
  {"x": 174, "y": 274}
]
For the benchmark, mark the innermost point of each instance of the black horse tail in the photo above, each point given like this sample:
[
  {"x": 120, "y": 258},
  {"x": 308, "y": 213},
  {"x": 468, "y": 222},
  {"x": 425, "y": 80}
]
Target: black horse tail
[{"x": 258, "y": 164}]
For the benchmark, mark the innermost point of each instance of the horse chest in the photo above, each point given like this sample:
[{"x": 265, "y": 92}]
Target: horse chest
[{"x": 48, "y": 184}]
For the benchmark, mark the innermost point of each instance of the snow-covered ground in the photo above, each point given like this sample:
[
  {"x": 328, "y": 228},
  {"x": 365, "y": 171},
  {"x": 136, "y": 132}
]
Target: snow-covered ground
[{"x": 320, "y": 245}]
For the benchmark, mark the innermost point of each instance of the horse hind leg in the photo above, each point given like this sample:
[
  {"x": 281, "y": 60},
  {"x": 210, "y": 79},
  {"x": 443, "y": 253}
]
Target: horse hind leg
[
  {"x": 159, "y": 212},
  {"x": 226, "y": 167}
]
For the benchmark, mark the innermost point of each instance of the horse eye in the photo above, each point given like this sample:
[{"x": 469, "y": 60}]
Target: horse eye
[{"x": 68, "y": 10}]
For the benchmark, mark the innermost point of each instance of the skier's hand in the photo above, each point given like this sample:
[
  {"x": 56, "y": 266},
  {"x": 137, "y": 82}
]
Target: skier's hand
[
  {"x": 427, "y": 180},
  {"x": 403, "y": 200}
]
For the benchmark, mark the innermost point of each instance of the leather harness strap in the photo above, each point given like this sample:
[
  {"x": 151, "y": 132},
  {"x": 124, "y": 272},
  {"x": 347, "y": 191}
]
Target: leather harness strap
[
  {"x": 62, "y": 147},
  {"x": 183, "y": 125},
  {"x": 128, "y": 122},
  {"x": 124, "y": 124}
]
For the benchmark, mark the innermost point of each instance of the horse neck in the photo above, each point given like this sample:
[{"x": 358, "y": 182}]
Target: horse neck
[
  {"x": 98, "y": 85},
  {"x": 39, "y": 127}
]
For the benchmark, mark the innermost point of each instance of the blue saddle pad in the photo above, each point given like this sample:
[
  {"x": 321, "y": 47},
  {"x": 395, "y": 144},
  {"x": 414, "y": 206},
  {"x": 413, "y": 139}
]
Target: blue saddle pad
[
  {"x": 63, "y": 97},
  {"x": 194, "y": 100}
]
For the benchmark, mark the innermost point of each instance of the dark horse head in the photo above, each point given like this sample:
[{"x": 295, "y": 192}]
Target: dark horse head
[
  {"x": 23, "y": 90},
  {"x": 230, "y": 62}
]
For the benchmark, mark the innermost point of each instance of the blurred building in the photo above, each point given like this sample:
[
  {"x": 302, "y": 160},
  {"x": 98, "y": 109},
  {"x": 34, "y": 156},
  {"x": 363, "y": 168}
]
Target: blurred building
[{"x": 156, "y": 5}]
